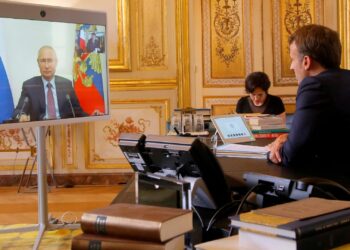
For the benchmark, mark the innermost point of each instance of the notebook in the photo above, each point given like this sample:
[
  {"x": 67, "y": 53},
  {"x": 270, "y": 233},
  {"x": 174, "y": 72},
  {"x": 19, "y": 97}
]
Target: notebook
[{"x": 232, "y": 128}]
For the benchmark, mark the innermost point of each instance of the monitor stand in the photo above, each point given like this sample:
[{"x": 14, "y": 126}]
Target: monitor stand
[
  {"x": 200, "y": 195},
  {"x": 43, "y": 217}
]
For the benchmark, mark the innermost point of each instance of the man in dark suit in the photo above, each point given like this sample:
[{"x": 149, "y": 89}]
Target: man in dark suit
[
  {"x": 322, "y": 119},
  {"x": 47, "y": 96},
  {"x": 93, "y": 44}
]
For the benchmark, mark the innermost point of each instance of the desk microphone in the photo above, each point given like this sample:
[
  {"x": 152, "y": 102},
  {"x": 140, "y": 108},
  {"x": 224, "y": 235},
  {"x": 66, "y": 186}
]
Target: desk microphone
[
  {"x": 181, "y": 134},
  {"x": 25, "y": 101},
  {"x": 70, "y": 104},
  {"x": 177, "y": 131}
]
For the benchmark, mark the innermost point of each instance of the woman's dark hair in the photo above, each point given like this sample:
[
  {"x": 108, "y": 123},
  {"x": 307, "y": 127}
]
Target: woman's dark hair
[
  {"x": 320, "y": 43},
  {"x": 257, "y": 80}
]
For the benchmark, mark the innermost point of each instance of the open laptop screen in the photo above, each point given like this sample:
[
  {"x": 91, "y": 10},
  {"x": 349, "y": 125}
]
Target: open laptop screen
[{"x": 232, "y": 128}]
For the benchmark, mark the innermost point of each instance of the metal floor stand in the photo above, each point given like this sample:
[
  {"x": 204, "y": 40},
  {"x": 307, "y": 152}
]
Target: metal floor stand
[
  {"x": 33, "y": 157},
  {"x": 43, "y": 217}
]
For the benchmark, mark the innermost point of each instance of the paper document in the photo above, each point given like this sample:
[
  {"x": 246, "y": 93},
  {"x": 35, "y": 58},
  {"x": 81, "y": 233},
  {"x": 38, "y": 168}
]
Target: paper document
[
  {"x": 243, "y": 148},
  {"x": 242, "y": 151}
]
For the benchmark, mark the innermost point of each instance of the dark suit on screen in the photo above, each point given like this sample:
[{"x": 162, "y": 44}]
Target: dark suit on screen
[
  {"x": 36, "y": 106},
  {"x": 321, "y": 125}
]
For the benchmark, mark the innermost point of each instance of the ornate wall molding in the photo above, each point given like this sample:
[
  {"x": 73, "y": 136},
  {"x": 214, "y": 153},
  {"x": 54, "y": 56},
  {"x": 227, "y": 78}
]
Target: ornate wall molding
[
  {"x": 151, "y": 32},
  {"x": 288, "y": 16},
  {"x": 227, "y": 56},
  {"x": 151, "y": 84},
  {"x": 122, "y": 62},
  {"x": 146, "y": 116},
  {"x": 183, "y": 53},
  {"x": 69, "y": 146},
  {"x": 221, "y": 105},
  {"x": 344, "y": 26}
]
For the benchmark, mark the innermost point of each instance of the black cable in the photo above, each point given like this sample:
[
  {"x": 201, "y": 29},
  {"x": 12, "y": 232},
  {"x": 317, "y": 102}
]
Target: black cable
[
  {"x": 198, "y": 215},
  {"x": 328, "y": 194},
  {"x": 213, "y": 218},
  {"x": 245, "y": 197}
]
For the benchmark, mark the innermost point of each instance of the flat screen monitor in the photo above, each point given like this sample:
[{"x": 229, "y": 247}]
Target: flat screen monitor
[
  {"x": 171, "y": 155},
  {"x": 53, "y": 65},
  {"x": 232, "y": 128},
  {"x": 189, "y": 157}
]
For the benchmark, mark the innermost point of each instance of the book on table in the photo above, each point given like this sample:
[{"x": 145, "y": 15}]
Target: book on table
[
  {"x": 300, "y": 222},
  {"x": 137, "y": 222},
  {"x": 275, "y": 130},
  {"x": 268, "y": 135},
  {"x": 268, "y": 126},
  {"x": 99, "y": 242},
  {"x": 264, "y": 119},
  {"x": 326, "y": 240}
]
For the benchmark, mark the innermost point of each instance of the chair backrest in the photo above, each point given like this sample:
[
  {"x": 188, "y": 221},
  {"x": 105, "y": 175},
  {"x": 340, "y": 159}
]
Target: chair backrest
[{"x": 211, "y": 173}]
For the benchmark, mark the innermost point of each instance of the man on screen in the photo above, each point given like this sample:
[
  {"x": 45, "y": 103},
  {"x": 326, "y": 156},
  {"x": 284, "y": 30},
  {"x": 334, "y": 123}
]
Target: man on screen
[
  {"x": 93, "y": 44},
  {"x": 47, "y": 96}
]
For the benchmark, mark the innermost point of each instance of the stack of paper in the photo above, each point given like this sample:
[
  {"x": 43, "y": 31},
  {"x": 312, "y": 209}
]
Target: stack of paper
[{"x": 245, "y": 151}]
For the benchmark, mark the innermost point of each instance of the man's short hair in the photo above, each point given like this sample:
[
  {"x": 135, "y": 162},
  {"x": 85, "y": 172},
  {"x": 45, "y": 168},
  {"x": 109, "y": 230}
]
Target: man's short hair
[{"x": 320, "y": 43}]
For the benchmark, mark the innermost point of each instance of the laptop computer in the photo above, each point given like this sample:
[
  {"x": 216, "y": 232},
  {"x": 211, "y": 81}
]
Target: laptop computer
[{"x": 232, "y": 128}]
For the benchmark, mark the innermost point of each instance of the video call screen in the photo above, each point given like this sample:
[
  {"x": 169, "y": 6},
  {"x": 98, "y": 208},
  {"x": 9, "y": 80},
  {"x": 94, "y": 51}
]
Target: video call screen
[{"x": 81, "y": 65}]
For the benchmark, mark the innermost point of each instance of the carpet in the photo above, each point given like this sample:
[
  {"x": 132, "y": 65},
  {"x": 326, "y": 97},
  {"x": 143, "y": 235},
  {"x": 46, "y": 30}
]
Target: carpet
[{"x": 59, "y": 239}]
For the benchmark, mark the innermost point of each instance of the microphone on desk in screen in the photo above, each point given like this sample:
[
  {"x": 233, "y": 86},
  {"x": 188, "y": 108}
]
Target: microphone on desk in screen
[
  {"x": 70, "y": 104},
  {"x": 25, "y": 101}
]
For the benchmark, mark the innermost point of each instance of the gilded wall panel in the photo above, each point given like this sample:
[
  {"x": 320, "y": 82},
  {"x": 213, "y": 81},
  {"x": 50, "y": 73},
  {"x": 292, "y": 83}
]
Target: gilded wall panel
[
  {"x": 122, "y": 60},
  {"x": 227, "y": 39},
  {"x": 288, "y": 16},
  {"x": 344, "y": 26},
  {"x": 221, "y": 105},
  {"x": 129, "y": 116},
  {"x": 69, "y": 146},
  {"x": 152, "y": 35}
]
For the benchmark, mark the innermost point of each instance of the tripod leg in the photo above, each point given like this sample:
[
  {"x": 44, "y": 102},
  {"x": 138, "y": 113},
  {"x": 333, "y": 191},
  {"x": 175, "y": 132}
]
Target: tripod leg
[
  {"x": 31, "y": 171},
  {"x": 51, "y": 173},
  {"x": 22, "y": 176}
]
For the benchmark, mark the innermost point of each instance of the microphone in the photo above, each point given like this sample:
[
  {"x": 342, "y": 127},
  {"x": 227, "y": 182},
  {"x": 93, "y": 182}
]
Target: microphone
[
  {"x": 25, "y": 101},
  {"x": 70, "y": 104}
]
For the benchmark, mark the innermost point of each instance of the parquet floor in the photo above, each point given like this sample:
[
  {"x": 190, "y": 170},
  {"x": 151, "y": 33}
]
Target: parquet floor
[
  {"x": 64, "y": 204},
  {"x": 23, "y": 207}
]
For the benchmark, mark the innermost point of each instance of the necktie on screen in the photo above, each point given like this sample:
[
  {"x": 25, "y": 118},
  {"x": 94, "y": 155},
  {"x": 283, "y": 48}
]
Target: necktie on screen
[{"x": 51, "y": 112}]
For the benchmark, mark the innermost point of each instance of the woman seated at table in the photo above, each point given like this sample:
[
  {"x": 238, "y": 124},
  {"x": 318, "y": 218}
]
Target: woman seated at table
[{"x": 259, "y": 100}]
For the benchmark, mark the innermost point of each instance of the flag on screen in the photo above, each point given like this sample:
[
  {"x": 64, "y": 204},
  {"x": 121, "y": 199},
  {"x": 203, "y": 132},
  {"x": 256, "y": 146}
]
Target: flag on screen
[
  {"x": 88, "y": 82},
  {"x": 6, "y": 100}
]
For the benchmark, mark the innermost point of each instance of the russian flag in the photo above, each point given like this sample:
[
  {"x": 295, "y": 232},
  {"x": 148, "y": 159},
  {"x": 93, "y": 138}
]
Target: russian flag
[
  {"x": 6, "y": 99},
  {"x": 82, "y": 39},
  {"x": 88, "y": 82}
]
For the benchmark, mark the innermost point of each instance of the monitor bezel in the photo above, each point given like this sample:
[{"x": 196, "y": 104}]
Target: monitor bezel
[{"x": 40, "y": 12}]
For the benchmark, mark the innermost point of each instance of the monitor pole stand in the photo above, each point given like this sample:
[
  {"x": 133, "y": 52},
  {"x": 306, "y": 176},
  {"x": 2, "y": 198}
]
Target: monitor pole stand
[{"x": 43, "y": 218}]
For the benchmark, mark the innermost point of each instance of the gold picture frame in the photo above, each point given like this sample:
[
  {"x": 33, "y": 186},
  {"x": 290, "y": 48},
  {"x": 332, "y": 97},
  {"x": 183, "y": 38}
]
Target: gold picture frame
[{"x": 122, "y": 61}]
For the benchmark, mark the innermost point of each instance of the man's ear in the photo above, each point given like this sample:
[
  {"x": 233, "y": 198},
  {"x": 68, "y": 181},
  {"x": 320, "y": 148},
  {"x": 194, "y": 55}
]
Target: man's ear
[{"x": 307, "y": 60}]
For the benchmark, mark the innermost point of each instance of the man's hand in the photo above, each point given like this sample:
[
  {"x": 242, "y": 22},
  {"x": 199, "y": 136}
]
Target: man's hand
[
  {"x": 275, "y": 147},
  {"x": 24, "y": 118}
]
